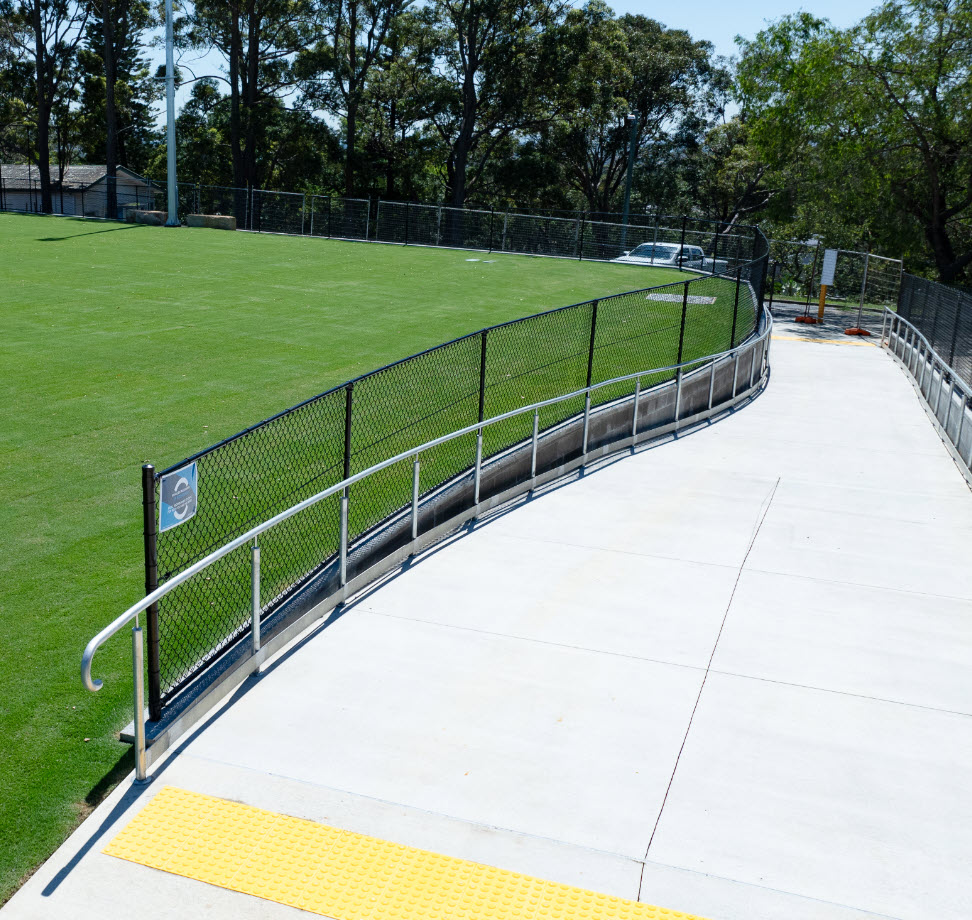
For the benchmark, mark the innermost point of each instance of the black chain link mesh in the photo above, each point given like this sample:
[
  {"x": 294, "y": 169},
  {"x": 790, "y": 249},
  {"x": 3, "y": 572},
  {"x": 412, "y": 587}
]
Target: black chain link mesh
[
  {"x": 272, "y": 466},
  {"x": 943, "y": 314}
]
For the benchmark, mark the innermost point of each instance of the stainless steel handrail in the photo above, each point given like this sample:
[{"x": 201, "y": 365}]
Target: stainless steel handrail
[
  {"x": 924, "y": 352},
  {"x": 253, "y": 533}
]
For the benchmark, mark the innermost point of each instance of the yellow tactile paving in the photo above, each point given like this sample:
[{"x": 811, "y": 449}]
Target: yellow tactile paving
[{"x": 343, "y": 875}]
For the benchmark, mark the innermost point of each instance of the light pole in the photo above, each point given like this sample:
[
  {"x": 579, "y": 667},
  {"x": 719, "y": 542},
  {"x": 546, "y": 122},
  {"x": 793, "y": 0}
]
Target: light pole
[
  {"x": 632, "y": 121},
  {"x": 172, "y": 217}
]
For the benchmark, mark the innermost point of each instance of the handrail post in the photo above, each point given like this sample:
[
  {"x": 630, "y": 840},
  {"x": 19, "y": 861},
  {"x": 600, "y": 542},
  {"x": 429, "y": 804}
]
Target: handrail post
[
  {"x": 958, "y": 435},
  {"x": 884, "y": 323},
  {"x": 150, "y": 548},
  {"x": 735, "y": 374},
  {"x": 255, "y": 594},
  {"x": 634, "y": 411},
  {"x": 348, "y": 399},
  {"x": 941, "y": 386},
  {"x": 752, "y": 366},
  {"x": 711, "y": 382},
  {"x": 681, "y": 346},
  {"x": 590, "y": 373},
  {"x": 479, "y": 465},
  {"x": 948, "y": 411},
  {"x": 415, "y": 497},
  {"x": 138, "y": 706},
  {"x": 735, "y": 309},
  {"x": 533, "y": 448}
]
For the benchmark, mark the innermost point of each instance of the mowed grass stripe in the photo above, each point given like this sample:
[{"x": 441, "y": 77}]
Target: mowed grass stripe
[{"x": 126, "y": 343}]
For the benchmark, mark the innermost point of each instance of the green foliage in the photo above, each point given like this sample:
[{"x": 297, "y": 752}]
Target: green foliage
[{"x": 871, "y": 127}]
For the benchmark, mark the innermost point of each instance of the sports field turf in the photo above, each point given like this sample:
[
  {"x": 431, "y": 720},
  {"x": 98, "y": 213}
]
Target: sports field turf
[{"x": 123, "y": 344}]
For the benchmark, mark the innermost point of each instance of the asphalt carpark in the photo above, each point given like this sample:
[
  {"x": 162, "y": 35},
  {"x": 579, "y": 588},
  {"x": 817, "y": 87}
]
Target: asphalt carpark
[{"x": 726, "y": 674}]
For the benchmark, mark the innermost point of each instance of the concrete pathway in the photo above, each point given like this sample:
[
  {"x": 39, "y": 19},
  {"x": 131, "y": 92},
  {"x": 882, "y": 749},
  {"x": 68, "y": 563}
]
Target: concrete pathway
[{"x": 729, "y": 675}]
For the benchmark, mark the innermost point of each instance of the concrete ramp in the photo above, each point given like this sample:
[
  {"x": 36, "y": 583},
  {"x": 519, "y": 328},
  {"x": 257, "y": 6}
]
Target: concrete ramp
[{"x": 728, "y": 674}]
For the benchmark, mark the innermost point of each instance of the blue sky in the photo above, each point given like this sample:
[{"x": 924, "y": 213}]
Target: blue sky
[{"x": 720, "y": 22}]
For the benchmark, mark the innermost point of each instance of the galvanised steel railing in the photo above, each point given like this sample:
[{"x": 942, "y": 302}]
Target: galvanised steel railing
[
  {"x": 941, "y": 386},
  {"x": 252, "y": 535}
]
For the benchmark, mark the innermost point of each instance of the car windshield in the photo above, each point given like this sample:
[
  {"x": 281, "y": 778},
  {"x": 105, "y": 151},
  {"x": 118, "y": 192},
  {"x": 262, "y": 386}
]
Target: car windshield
[{"x": 654, "y": 250}]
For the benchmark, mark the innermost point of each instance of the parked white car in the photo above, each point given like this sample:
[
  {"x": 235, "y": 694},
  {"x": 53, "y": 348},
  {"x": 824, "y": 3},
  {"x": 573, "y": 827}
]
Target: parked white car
[{"x": 673, "y": 255}]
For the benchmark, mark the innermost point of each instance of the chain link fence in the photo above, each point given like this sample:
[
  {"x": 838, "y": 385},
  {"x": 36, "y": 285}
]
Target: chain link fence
[
  {"x": 104, "y": 199},
  {"x": 272, "y": 466},
  {"x": 577, "y": 237},
  {"x": 942, "y": 314}
]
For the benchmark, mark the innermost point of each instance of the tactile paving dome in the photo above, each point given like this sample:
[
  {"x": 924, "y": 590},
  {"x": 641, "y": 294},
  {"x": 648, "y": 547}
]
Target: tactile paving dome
[{"x": 341, "y": 874}]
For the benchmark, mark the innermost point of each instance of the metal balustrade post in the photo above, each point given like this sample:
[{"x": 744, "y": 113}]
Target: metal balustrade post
[
  {"x": 634, "y": 411},
  {"x": 255, "y": 594},
  {"x": 963, "y": 402},
  {"x": 752, "y": 367},
  {"x": 735, "y": 373},
  {"x": 884, "y": 323},
  {"x": 345, "y": 494},
  {"x": 344, "y": 538},
  {"x": 921, "y": 379},
  {"x": 735, "y": 309},
  {"x": 711, "y": 382},
  {"x": 590, "y": 376},
  {"x": 415, "y": 498},
  {"x": 948, "y": 410},
  {"x": 681, "y": 348},
  {"x": 150, "y": 551},
  {"x": 138, "y": 705},
  {"x": 533, "y": 447},
  {"x": 479, "y": 466},
  {"x": 941, "y": 386}
]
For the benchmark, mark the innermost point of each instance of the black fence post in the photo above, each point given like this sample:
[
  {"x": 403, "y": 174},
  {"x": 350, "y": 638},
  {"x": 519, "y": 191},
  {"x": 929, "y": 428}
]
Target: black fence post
[
  {"x": 681, "y": 331},
  {"x": 580, "y": 247},
  {"x": 491, "y": 211},
  {"x": 482, "y": 376},
  {"x": 406, "y": 223},
  {"x": 328, "y": 216},
  {"x": 681, "y": 251},
  {"x": 151, "y": 583},
  {"x": 735, "y": 309},
  {"x": 590, "y": 351}
]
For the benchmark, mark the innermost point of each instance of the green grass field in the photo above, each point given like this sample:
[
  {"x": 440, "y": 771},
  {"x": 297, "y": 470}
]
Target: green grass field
[{"x": 124, "y": 344}]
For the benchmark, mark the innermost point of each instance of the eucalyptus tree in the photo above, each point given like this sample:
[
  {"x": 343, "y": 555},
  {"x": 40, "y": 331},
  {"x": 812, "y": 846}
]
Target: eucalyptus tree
[
  {"x": 880, "y": 115},
  {"x": 258, "y": 40},
  {"x": 45, "y": 34},
  {"x": 353, "y": 36},
  {"x": 495, "y": 77},
  {"x": 616, "y": 67}
]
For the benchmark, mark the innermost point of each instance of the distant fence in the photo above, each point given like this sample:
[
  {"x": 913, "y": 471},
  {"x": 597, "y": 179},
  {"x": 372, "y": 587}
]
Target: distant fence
[
  {"x": 862, "y": 281},
  {"x": 943, "y": 315},
  {"x": 272, "y": 466}
]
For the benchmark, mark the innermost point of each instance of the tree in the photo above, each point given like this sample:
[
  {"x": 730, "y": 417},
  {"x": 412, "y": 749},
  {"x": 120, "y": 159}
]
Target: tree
[
  {"x": 117, "y": 89},
  {"x": 47, "y": 34},
  {"x": 258, "y": 40},
  {"x": 494, "y": 78},
  {"x": 879, "y": 115},
  {"x": 616, "y": 67},
  {"x": 337, "y": 68}
]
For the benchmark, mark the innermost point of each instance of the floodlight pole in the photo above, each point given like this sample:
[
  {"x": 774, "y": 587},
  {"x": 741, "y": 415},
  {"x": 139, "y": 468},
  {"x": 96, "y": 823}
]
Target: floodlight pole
[
  {"x": 172, "y": 217},
  {"x": 632, "y": 143}
]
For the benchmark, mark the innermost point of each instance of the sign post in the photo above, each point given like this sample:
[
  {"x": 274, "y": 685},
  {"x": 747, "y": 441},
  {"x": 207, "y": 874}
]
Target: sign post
[{"x": 826, "y": 279}]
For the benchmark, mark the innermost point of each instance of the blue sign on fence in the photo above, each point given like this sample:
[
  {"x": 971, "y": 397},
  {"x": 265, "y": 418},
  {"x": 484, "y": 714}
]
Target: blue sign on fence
[{"x": 178, "y": 497}]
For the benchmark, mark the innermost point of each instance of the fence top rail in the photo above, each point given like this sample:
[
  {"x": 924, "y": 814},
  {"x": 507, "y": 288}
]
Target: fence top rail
[
  {"x": 253, "y": 533},
  {"x": 936, "y": 357}
]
